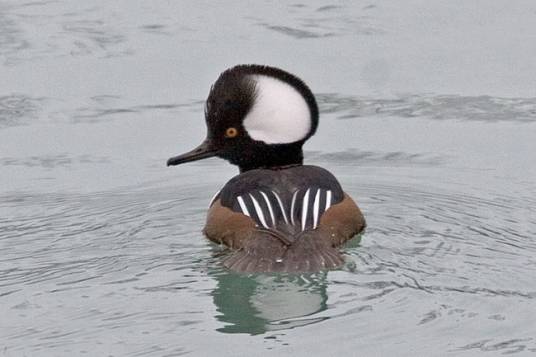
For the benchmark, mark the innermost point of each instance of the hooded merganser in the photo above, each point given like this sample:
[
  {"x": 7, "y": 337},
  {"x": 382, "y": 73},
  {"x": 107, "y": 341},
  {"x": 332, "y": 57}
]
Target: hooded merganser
[{"x": 278, "y": 214}]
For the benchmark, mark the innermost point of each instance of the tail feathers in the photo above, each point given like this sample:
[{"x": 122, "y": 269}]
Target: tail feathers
[{"x": 266, "y": 253}]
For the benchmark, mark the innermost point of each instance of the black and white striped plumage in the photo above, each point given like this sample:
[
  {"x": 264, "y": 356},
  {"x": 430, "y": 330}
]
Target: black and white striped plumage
[{"x": 287, "y": 201}]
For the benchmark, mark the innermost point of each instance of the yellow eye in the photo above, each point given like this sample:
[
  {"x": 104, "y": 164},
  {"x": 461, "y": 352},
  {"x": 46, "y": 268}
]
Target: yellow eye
[{"x": 231, "y": 132}]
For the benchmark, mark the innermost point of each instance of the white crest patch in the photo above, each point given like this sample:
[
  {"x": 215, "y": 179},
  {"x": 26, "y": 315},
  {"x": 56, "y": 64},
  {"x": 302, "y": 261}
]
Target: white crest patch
[{"x": 279, "y": 115}]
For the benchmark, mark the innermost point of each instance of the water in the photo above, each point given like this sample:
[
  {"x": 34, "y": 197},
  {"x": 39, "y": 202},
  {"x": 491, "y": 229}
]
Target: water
[{"x": 428, "y": 120}]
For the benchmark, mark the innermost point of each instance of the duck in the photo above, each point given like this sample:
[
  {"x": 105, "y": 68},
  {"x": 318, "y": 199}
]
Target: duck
[{"x": 277, "y": 214}]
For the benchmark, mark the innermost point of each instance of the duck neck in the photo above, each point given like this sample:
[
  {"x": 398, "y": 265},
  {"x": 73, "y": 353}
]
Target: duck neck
[{"x": 274, "y": 157}]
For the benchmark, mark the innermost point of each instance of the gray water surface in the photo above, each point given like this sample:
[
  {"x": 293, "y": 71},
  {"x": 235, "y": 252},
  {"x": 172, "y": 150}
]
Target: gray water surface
[{"x": 428, "y": 119}]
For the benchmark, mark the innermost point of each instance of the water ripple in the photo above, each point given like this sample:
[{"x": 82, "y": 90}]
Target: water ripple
[
  {"x": 356, "y": 157},
  {"x": 18, "y": 109},
  {"x": 104, "y": 107},
  {"x": 507, "y": 347},
  {"x": 83, "y": 31},
  {"x": 440, "y": 107},
  {"x": 52, "y": 161},
  {"x": 325, "y": 21}
]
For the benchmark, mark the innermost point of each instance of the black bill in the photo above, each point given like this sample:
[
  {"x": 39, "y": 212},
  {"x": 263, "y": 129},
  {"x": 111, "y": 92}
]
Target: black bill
[{"x": 201, "y": 152}]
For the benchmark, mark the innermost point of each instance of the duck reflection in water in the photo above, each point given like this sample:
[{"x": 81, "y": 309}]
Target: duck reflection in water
[{"x": 255, "y": 304}]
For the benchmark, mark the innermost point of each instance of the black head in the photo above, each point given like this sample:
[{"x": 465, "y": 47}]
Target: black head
[{"x": 257, "y": 117}]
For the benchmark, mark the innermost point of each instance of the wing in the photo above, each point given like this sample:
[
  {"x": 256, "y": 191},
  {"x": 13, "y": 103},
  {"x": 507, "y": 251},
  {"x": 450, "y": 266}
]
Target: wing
[
  {"x": 269, "y": 209},
  {"x": 290, "y": 201}
]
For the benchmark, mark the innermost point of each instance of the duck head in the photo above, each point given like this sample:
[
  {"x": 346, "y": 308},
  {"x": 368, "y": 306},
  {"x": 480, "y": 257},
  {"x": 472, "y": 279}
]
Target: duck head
[{"x": 257, "y": 117}]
